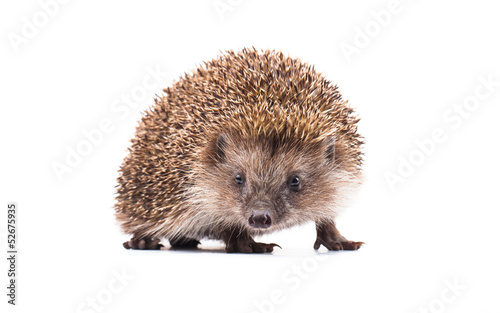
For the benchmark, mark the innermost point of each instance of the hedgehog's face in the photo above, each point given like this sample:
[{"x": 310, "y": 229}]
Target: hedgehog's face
[{"x": 262, "y": 184}]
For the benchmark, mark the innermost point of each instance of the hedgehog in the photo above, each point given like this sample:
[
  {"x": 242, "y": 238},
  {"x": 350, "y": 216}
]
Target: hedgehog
[{"x": 247, "y": 144}]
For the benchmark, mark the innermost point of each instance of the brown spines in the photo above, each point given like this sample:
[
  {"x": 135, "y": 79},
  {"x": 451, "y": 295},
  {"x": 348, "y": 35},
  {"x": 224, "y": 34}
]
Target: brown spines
[{"x": 256, "y": 93}]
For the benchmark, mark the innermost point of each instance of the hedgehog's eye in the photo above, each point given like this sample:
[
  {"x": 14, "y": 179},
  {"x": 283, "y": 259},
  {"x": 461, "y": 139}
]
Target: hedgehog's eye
[
  {"x": 294, "y": 183},
  {"x": 239, "y": 179}
]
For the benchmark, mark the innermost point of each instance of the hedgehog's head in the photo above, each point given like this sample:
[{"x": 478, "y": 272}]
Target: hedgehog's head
[{"x": 267, "y": 182}]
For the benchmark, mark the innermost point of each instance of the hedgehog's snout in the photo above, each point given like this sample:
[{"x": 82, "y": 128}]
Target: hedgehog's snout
[{"x": 260, "y": 218}]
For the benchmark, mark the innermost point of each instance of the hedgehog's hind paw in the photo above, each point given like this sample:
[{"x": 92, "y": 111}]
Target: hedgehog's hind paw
[
  {"x": 184, "y": 243},
  {"x": 143, "y": 244}
]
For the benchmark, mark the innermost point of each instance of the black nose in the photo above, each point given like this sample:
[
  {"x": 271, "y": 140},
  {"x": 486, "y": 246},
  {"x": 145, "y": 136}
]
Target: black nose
[{"x": 260, "y": 219}]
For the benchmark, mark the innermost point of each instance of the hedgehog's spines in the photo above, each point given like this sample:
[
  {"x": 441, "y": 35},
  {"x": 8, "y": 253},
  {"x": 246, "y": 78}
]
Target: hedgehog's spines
[{"x": 256, "y": 93}]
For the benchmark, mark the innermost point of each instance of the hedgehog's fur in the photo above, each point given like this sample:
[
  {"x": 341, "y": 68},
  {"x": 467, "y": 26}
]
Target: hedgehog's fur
[{"x": 255, "y": 104}]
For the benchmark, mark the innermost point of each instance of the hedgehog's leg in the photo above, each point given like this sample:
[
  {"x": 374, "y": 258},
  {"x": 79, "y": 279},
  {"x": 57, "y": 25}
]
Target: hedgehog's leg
[
  {"x": 184, "y": 243},
  {"x": 329, "y": 236},
  {"x": 143, "y": 243},
  {"x": 238, "y": 240}
]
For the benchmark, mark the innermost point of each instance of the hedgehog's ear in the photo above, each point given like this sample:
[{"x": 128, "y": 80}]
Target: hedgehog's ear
[
  {"x": 220, "y": 147},
  {"x": 330, "y": 149}
]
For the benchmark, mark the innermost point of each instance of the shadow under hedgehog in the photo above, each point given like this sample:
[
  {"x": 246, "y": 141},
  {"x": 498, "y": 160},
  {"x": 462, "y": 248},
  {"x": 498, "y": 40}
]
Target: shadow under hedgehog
[{"x": 251, "y": 142}]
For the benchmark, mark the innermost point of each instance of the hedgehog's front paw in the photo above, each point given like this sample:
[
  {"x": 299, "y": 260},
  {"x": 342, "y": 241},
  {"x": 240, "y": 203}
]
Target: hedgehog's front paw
[
  {"x": 260, "y": 247},
  {"x": 329, "y": 236},
  {"x": 338, "y": 244},
  {"x": 143, "y": 244},
  {"x": 248, "y": 245}
]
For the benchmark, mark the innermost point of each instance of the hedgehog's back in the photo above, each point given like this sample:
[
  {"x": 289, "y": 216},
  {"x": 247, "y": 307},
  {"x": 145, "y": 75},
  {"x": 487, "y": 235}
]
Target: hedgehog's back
[{"x": 254, "y": 91}]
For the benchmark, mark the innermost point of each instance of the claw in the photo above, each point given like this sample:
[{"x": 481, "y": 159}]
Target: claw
[{"x": 317, "y": 244}]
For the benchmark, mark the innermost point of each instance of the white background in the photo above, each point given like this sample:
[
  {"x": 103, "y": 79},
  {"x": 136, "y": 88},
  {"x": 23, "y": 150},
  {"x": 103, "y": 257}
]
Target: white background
[{"x": 414, "y": 64}]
